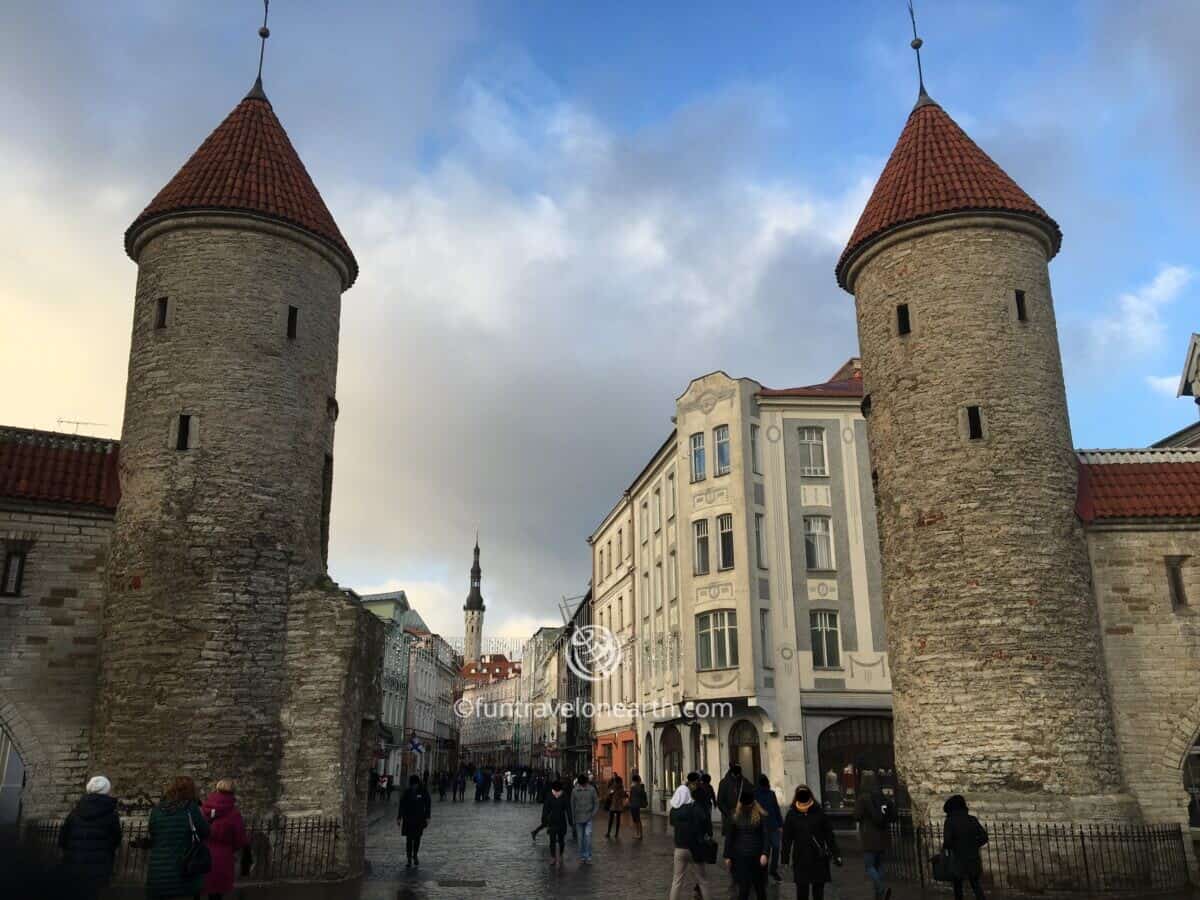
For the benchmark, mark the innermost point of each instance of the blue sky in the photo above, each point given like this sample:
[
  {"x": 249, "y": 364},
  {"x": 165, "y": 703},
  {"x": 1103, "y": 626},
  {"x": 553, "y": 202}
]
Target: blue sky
[{"x": 565, "y": 211}]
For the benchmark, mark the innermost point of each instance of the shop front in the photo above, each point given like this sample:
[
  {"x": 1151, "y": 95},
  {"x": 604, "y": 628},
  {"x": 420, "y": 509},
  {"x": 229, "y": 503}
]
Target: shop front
[
  {"x": 847, "y": 748},
  {"x": 616, "y": 754}
]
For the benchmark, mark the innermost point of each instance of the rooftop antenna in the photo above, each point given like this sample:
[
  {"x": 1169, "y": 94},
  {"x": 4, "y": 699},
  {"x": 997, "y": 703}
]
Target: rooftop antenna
[
  {"x": 917, "y": 44},
  {"x": 77, "y": 423},
  {"x": 257, "y": 92}
]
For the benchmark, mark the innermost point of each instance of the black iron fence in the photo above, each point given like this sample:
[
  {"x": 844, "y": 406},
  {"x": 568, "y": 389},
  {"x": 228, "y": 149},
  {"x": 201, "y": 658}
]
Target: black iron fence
[
  {"x": 281, "y": 849},
  {"x": 1026, "y": 859}
]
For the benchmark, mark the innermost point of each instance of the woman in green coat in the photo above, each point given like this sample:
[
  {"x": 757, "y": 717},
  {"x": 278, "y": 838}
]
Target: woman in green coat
[{"x": 171, "y": 825}]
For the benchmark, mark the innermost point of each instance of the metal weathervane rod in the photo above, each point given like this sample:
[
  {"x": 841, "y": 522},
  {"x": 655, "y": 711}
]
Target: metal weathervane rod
[
  {"x": 916, "y": 44},
  {"x": 265, "y": 33}
]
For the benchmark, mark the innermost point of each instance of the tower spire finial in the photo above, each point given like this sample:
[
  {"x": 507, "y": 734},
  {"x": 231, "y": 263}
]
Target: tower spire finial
[
  {"x": 917, "y": 44},
  {"x": 257, "y": 92}
]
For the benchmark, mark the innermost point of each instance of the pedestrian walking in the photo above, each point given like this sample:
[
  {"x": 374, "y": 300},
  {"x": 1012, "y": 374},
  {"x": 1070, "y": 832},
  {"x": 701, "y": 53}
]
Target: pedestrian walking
[
  {"x": 497, "y": 786},
  {"x": 809, "y": 845},
  {"x": 765, "y": 797},
  {"x": 585, "y": 803},
  {"x": 874, "y": 813},
  {"x": 390, "y": 786},
  {"x": 226, "y": 837},
  {"x": 556, "y": 818},
  {"x": 728, "y": 793},
  {"x": 442, "y": 783},
  {"x": 413, "y": 817},
  {"x": 89, "y": 838},
  {"x": 705, "y": 793},
  {"x": 176, "y": 833},
  {"x": 692, "y": 825},
  {"x": 637, "y": 802},
  {"x": 962, "y": 836},
  {"x": 614, "y": 802},
  {"x": 748, "y": 847}
]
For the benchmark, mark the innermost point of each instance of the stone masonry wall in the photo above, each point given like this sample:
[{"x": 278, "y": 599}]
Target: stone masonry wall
[
  {"x": 212, "y": 541},
  {"x": 999, "y": 680},
  {"x": 330, "y": 715},
  {"x": 1153, "y": 656},
  {"x": 48, "y": 648}
]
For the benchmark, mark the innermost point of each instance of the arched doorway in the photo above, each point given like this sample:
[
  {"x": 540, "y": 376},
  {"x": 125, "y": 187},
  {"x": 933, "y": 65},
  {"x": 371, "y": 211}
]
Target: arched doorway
[
  {"x": 743, "y": 749},
  {"x": 672, "y": 756},
  {"x": 12, "y": 780},
  {"x": 1191, "y": 783}
]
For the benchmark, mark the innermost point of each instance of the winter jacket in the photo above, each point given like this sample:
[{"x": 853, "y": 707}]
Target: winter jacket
[
  {"x": 585, "y": 803},
  {"x": 746, "y": 841},
  {"x": 89, "y": 839},
  {"x": 226, "y": 837},
  {"x": 806, "y": 837},
  {"x": 691, "y": 822},
  {"x": 556, "y": 812},
  {"x": 616, "y": 799},
  {"x": 170, "y": 838},
  {"x": 874, "y": 833},
  {"x": 706, "y": 796},
  {"x": 769, "y": 803},
  {"x": 637, "y": 797},
  {"x": 415, "y": 807},
  {"x": 729, "y": 791},
  {"x": 962, "y": 835}
]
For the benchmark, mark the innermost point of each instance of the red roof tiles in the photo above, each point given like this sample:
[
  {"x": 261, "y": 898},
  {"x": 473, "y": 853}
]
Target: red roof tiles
[
  {"x": 934, "y": 169},
  {"x": 846, "y": 382},
  {"x": 1138, "y": 484},
  {"x": 248, "y": 164},
  {"x": 58, "y": 468}
]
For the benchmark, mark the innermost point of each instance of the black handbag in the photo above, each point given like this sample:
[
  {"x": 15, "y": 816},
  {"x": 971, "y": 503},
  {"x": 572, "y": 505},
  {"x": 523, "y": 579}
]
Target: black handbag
[
  {"x": 705, "y": 849},
  {"x": 196, "y": 860},
  {"x": 945, "y": 867}
]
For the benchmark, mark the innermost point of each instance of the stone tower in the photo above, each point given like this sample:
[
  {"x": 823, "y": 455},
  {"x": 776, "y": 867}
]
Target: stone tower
[
  {"x": 1000, "y": 690},
  {"x": 473, "y": 611},
  {"x": 223, "y": 637}
]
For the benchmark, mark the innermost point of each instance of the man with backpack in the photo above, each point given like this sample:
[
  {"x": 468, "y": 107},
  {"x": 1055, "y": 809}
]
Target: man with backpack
[{"x": 874, "y": 813}]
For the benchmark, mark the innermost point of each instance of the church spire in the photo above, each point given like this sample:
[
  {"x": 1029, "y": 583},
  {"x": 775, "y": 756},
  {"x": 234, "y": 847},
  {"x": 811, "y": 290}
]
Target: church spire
[{"x": 475, "y": 598}]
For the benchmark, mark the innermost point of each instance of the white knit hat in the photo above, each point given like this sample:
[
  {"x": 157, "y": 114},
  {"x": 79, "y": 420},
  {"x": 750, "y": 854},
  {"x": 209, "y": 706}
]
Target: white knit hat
[{"x": 99, "y": 785}]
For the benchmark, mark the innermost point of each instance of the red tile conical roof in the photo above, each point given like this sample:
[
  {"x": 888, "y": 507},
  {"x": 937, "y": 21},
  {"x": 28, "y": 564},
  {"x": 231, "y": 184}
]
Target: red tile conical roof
[
  {"x": 936, "y": 169},
  {"x": 248, "y": 164}
]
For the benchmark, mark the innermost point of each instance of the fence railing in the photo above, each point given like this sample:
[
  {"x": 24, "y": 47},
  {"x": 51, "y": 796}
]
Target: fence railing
[
  {"x": 281, "y": 849},
  {"x": 1048, "y": 859}
]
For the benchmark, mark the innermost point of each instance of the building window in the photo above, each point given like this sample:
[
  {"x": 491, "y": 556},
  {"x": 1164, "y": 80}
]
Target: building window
[
  {"x": 755, "y": 465},
  {"x": 657, "y": 509},
  {"x": 293, "y": 315},
  {"x": 645, "y": 521},
  {"x": 672, "y": 580},
  {"x": 1175, "y": 581},
  {"x": 716, "y": 640},
  {"x": 760, "y": 548},
  {"x": 974, "y": 423},
  {"x": 160, "y": 312},
  {"x": 183, "y": 432},
  {"x": 903, "y": 321},
  {"x": 14, "y": 573},
  {"x": 826, "y": 642},
  {"x": 1022, "y": 312},
  {"x": 600, "y": 568},
  {"x": 812, "y": 452},
  {"x": 698, "y": 457},
  {"x": 721, "y": 443},
  {"x": 725, "y": 538},
  {"x": 610, "y": 557},
  {"x": 620, "y": 544},
  {"x": 658, "y": 585},
  {"x": 671, "y": 495},
  {"x": 818, "y": 543},
  {"x": 701, "y": 530},
  {"x": 764, "y": 636}
]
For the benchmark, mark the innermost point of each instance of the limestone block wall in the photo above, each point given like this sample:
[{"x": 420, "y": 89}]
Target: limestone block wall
[
  {"x": 330, "y": 714},
  {"x": 1152, "y": 651},
  {"x": 999, "y": 680},
  {"x": 48, "y": 648}
]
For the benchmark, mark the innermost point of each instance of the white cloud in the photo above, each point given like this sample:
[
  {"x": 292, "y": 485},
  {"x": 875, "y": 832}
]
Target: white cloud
[
  {"x": 1167, "y": 385},
  {"x": 1135, "y": 323}
]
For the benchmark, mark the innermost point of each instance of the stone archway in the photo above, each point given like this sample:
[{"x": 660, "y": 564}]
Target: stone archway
[{"x": 16, "y": 732}]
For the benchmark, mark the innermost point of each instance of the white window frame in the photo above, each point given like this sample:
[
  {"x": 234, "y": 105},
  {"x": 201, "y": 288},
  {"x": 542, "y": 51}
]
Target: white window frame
[
  {"x": 696, "y": 454},
  {"x": 821, "y": 624},
  {"x": 760, "y": 540},
  {"x": 723, "y": 520},
  {"x": 817, "y": 528},
  {"x": 813, "y": 436},
  {"x": 721, "y": 442},
  {"x": 716, "y": 640},
  {"x": 700, "y": 540}
]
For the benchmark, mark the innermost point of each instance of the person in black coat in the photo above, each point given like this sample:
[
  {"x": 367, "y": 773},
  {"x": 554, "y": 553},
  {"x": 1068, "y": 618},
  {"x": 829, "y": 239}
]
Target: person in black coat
[
  {"x": 556, "y": 819},
  {"x": 90, "y": 836},
  {"x": 413, "y": 816},
  {"x": 809, "y": 844},
  {"x": 748, "y": 846},
  {"x": 962, "y": 836}
]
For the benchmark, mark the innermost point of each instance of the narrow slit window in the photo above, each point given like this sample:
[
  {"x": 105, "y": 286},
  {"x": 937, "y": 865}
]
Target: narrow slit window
[
  {"x": 293, "y": 315},
  {"x": 1175, "y": 581},
  {"x": 183, "y": 436},
  {"x": 14, "y": 573},
  {"x": 903, "y": 322},
  {"x": 1022, "y": 313},
  {"x": 160, "y": 313},
  {"x": 974, "y": 423}
]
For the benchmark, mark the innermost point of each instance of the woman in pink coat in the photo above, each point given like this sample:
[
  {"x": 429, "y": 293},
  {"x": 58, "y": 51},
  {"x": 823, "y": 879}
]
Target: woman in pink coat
[{"x": 227, "y": 837}]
